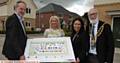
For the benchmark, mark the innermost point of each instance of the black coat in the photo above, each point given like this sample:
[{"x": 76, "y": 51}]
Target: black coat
[
  {"x": 80, "y": 45},
  {"x": 15, "y": 40},
  {"x": 105, "y": 44}
]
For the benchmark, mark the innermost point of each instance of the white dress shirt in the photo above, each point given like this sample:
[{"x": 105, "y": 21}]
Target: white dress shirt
[{"x": 93, "y": 50}]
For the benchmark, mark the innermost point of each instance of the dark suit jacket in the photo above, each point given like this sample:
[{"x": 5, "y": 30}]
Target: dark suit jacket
[
  {"x": 15, "y": 40},
  {"x": 105, "y": 44},
  {"x": 79, "y": 46}
]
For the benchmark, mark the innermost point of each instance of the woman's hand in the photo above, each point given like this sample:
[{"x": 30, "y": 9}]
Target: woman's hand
[
  {"x": 22, "y": 57},
  {"x": 77, "y": 60}
]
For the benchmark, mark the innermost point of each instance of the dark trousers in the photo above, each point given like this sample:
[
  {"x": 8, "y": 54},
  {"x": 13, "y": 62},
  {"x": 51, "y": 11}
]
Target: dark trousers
[{"x": 92, "y": 58}]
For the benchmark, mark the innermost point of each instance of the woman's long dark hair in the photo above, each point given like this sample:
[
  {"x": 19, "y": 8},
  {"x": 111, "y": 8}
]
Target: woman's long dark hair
[{"x": 82, "y": 25}]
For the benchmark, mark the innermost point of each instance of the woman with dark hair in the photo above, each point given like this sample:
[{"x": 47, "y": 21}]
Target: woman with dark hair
[{"x": 79, "y": 40}]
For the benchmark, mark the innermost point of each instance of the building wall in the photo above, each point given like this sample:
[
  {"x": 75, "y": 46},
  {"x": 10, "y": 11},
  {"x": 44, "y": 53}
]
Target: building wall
[
  {"x": 42, "y": 20},
  {"x": 1, "y": 27},
  {"x": 2, "y": 22},
  {"x": 29, "y": 23},
  {"x": 30, "y": 17},
  {"x": 33, "y": 8},
  {"x": 3, "y": 10},
  {"x": 103, "y": 8},
  {"x": 10, "y": 7},
  {"x": 3, "y": 14},
  {"x": 99, "y": 2},
  {"x": 66, "y": 18}
]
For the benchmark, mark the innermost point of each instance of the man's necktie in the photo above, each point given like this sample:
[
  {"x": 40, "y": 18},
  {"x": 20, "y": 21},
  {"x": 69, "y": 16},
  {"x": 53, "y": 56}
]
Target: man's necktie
[
  {"x": 93, "y": 41},
  {"x": 93, "y": 35},
  {"x": 23, "y": 26}
]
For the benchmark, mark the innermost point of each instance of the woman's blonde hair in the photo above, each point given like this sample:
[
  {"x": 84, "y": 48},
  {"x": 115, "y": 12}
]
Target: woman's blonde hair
[{"x": 55, "y": 17}]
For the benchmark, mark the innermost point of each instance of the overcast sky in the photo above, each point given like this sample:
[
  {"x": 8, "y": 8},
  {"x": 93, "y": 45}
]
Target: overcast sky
[{"x": 77, "y": 6}]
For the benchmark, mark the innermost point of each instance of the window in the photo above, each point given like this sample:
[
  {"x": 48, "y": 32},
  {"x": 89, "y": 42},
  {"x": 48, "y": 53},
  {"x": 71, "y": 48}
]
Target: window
[
  {"x": 26, "y": 24},
  {"x": 14, "y": 7},
  {"x": 116, "y": 30},
  {"x": 29, "y": 24},
  {"x": 28, "y": 10}
]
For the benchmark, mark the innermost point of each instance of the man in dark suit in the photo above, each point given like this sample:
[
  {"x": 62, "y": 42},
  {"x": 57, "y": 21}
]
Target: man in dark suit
[
  {"x": 15, "y": 40},
  {"x": 101, "y": 44}
]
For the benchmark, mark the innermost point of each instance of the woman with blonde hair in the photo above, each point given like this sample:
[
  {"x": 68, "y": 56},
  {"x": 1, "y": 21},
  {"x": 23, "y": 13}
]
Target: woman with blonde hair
[{"x": 54, "y": 29}]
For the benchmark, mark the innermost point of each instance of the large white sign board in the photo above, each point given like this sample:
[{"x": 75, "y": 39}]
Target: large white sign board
[{"x": 49, "y": 50}]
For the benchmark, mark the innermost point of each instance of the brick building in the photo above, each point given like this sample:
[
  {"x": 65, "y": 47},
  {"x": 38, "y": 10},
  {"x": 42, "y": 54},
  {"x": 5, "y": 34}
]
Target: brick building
[{"x": 43, "y": 15}]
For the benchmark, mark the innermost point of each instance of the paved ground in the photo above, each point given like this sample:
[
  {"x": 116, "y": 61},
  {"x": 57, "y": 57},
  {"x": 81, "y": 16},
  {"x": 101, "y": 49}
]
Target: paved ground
[{"x": 2, "y": 37}]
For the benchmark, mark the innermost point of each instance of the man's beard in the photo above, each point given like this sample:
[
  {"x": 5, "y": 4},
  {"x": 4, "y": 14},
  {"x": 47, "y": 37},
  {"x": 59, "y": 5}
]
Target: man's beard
[{"x": 94, "y": 21}]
